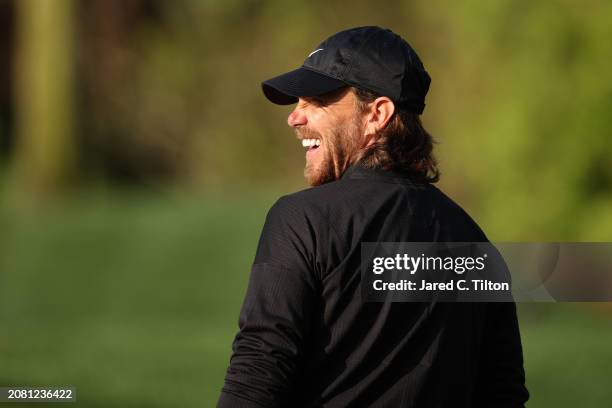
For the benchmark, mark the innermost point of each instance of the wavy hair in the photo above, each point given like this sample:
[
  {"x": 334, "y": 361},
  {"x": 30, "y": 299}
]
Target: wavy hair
[{"x": 403, "y": 145}]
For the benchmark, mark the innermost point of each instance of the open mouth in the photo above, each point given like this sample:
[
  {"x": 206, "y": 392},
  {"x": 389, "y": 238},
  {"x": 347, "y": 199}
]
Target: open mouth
[{"x": 311, "y": 144}]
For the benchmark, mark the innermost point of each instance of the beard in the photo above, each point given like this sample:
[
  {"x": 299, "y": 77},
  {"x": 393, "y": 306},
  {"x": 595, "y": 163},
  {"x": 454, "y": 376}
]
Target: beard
[{"x": 339, "y": 151}]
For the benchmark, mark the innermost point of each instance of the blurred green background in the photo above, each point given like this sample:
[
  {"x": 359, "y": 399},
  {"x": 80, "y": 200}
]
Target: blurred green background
[{"x": 138, "y": 159}]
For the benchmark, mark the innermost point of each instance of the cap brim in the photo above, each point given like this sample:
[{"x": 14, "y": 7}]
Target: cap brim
[{"x": 285, "y": 89}]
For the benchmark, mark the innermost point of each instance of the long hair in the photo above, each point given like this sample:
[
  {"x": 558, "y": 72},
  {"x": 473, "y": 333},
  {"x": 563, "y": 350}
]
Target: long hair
[{"x": 403, "y": 145}]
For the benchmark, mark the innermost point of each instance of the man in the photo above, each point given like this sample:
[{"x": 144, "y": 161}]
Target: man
[{"x": 306, "y": 338}]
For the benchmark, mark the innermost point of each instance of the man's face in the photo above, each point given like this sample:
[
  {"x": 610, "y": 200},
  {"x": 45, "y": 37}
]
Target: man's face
[{"x": 332, "y": 129}]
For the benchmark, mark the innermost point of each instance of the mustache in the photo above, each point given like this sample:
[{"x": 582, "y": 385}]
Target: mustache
[{"x": 307, "y": 133}]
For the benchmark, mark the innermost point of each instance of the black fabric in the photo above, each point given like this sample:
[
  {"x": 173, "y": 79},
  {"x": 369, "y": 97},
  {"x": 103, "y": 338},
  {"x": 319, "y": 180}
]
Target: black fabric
[
  {"x": 285, "y": 89},
  {"x": 307, "y": 340},
  {"x": 371, "y": 58}
]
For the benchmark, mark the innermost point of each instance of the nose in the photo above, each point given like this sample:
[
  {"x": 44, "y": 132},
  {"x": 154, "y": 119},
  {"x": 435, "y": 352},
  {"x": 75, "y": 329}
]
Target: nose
[{"x": 297, "y": 117}]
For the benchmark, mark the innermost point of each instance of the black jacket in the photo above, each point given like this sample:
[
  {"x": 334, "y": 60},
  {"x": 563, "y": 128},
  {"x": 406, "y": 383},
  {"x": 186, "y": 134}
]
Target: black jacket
[{"x": 307, "y": 340}]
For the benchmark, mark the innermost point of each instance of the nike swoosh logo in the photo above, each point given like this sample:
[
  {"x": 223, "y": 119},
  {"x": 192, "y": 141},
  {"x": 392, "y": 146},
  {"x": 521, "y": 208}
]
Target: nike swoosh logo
[{"x": 314, "y": 52}]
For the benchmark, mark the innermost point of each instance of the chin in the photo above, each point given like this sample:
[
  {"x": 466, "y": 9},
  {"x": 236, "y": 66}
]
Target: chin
[
  {"x": 311, "y": 178},
  {"x": 317, "y": 176}
]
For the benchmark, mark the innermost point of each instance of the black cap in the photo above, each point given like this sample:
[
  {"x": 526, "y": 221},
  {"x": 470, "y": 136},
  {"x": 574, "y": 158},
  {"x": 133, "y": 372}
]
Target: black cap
[{"x": 370, "y": 58}]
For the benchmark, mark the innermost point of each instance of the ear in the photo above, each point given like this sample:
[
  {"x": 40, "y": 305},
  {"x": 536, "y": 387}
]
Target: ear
[{"x": 377, "y": 117}]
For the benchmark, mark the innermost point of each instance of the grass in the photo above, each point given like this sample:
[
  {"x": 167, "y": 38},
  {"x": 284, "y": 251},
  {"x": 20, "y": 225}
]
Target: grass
[
  {"x": 135, "y": 301},
  {"x": 567, "y": 354}
]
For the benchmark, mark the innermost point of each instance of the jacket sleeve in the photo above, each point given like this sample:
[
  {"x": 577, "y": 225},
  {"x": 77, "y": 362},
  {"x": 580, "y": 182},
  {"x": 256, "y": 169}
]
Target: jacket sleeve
[
  {"x": 276, "y": 315},
  {"x": 501, "y": 374}
]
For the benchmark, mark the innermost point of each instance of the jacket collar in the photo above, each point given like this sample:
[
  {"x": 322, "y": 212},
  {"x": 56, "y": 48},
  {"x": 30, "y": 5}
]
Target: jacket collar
[{"x": 357, "y": 171}]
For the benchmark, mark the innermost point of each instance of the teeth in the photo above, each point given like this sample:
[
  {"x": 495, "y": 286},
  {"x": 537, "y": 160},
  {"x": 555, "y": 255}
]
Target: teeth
[{"x": 311, "y": 142}]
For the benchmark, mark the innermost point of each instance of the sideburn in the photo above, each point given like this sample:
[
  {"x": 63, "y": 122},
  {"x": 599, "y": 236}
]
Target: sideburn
[{"x": 346, "y": 147}]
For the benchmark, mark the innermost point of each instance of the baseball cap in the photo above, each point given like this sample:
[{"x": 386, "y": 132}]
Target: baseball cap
[{"x": 371, "y": 58}]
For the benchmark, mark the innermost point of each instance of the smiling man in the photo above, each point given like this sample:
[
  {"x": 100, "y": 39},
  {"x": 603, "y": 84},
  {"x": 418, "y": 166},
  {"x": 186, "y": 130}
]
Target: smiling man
[
  {"x": 333, "y": 115},
  {"x": 306, "y": 337}
]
